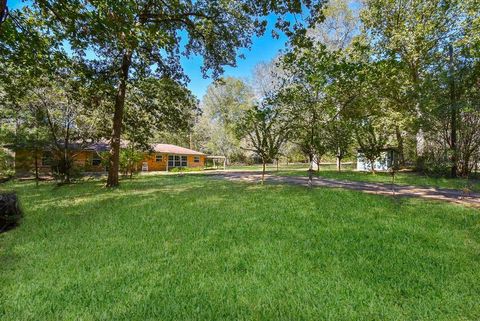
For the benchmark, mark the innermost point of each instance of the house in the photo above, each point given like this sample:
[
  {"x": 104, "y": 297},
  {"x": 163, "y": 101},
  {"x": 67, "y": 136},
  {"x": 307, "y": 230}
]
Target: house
[
  {"x": 161, "y": 157},
  {"x": 165, "y": 157},
  {"x": 388, "y": 159}
]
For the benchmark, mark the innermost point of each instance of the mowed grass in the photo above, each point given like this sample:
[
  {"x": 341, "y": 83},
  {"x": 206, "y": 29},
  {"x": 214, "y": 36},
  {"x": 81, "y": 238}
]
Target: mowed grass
[{"x": 198, "y": 248}]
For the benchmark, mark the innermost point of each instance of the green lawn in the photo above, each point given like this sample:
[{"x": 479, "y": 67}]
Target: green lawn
[
  {"x": 198, "y": 248},
  {"x": 401, "y": 178}
]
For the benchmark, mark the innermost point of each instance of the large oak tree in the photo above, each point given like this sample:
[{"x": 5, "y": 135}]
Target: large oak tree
[{"x": 133, "y": 39}]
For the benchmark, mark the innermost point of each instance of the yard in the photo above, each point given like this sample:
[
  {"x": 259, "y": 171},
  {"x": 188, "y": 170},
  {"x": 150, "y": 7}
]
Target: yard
[{"x": 196, "y": 248}]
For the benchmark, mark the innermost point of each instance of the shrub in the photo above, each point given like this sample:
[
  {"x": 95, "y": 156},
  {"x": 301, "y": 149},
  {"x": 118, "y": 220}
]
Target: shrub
[
  {"x": 6, "y": 164},
  {"x": 10, "y": 212},
  {"x": 185, "y": 169}
]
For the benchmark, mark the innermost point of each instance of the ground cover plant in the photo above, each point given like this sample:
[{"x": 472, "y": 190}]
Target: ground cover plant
[{"x": 194, "y": 247}]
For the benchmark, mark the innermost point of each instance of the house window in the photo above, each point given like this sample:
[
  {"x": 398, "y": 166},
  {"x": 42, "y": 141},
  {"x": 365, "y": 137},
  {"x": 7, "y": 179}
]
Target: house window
[
  {"x": 96, "y": 160},
  {"x": 196, "y": 159},
  {"x": 158, "y": 158},
  {"x": 177, "y": 161},
  {"x": 46, "y": 159}
]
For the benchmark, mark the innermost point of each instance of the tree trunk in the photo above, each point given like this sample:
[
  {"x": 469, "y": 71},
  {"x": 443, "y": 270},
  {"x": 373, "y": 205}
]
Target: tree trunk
[
  {"x": 466, "y": 168},
  {"x": 453, "y": 119},
  {"x": 339, "y": 159},
  {"x": 263, "y": 171},
  {"x": 36, "y": 168},
  {"x": 420, "y": 138},
  {"x": 310, "y": 171},
  {"x": 66, "y": 157},
  {"x": 114, "y": 160},
  {"x": 401, "y": 157},
  {"x": 3, "y": 10}
]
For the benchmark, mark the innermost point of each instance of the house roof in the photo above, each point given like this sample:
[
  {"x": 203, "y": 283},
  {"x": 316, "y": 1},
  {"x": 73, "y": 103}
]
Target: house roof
[
  {"x": 101, "y": 146},
  {"x": 104, "y": 146},
  {"x": 174, "y": 149}
]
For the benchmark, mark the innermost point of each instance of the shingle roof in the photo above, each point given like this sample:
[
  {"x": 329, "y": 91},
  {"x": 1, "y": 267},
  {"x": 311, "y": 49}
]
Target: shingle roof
[
  {"x": 174, "y": 149},
  {"x": 101, "y": 146}
]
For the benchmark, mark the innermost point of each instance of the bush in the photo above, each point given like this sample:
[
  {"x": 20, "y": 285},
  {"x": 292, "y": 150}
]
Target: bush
[
  {"x": 185, "y": 169},
  {"x": 10, "y": 213},
  {"x": 437, "y": 164},
  {"x": 6, "y": 164}
]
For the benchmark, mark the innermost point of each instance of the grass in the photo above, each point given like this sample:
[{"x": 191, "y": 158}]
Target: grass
[{"x": 198, "y": 248}]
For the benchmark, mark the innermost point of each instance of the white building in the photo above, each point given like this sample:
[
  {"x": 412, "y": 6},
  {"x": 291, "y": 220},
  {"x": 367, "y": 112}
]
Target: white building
[{"x": 387, "y": 159}]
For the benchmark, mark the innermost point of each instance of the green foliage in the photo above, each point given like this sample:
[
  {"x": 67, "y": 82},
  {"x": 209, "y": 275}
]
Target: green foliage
[
  {"x": 130, "y": 159},
  {"x": 184, "y": 169},
  {"x": 223, "y": 106},
  {"x": 322, "y": 90},
  {"x": 6, "y": 163},
  {"x": 372, "y": 136},
  {"x": 412, "y": 37},
  {"x": 265, "y": 131},
  {"x": 155, "y": 106}
]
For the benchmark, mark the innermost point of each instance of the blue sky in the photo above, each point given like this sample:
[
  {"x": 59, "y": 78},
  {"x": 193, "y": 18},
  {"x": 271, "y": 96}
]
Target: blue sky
[{"x": 263, "y": 49}]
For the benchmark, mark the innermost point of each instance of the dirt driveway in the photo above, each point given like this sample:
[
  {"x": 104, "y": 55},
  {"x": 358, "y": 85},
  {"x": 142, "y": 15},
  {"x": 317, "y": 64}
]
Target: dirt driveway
[{"x": 448, "y": 195}]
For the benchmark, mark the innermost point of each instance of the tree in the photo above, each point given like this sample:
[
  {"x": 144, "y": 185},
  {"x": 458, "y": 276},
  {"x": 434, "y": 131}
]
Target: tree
[
  {"x": 264, "y": 128},
  {"x": 320, "y": 89},
  {"x": 155, "y": 106},
  {"x": 130, "y": 39},
  {"x": 339, "y": 27},
  {"x": 6, "y": 164},
  {"x": 339, "y": 136},
  {"x": 371, "y": 135},
  {"x": 129, "y": 159},
  {"x": 456, "y": 100},
  {"x": 414, "y": 34},
  {"x": 223, "y": 106}
]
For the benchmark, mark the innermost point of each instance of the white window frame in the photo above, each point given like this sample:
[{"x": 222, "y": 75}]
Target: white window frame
[
  {"x": 158, "y": 158},
  {"x": 177, "y": 161},
  {"x": 196, "y": 159}
]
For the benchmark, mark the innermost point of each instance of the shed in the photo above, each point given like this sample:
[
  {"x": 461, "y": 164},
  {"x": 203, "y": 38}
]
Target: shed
[{"x": 388, "y": 159}]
